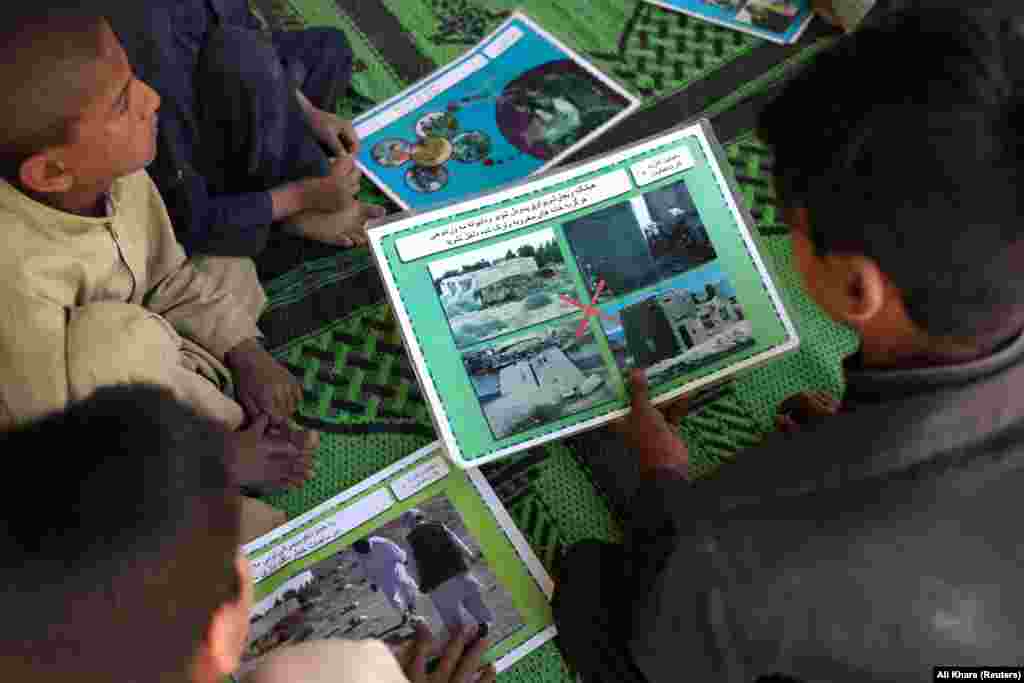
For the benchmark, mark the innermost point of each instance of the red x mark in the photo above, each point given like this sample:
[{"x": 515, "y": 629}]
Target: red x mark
[{"x": 588, "y": 311}]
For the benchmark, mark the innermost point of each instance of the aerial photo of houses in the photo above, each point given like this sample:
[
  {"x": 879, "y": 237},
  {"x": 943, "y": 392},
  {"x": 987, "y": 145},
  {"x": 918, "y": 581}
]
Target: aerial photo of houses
[
  {"x": 692, "y": 321},
  {"x": 504, "y": 287},
  {"x": 528, "y": 380},
  {"x": 639, "y": 242}
]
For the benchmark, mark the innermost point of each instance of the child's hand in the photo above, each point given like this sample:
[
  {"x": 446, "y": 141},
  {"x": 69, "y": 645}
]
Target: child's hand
[
  {"x": 647, "y": 430},
  {"x": 337, "y": 133},
  {"x": 334, "y": 192},
  {"x": 457, "y": 665},
  {"x": 263, "y": 385},
  {"x": 261, "y": 459},
  {"x": 825, "y": 10}
]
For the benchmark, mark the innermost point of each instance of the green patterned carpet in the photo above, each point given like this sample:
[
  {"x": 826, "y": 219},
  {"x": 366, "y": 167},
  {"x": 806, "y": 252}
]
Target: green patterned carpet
[{"x": 328, "y": 320}]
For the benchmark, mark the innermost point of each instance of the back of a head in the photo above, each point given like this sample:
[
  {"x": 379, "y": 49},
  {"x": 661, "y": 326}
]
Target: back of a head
[
  {"x": 46, "y": 51},
  {"x": 904, "y": 141},
  {"x": 114, "y": 573}
]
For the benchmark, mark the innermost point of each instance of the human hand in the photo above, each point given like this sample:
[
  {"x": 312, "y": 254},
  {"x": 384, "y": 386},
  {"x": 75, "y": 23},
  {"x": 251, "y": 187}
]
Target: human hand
[
  {"x": 825, "y": 10},
  {"x": 650, "y": 432},
  {"x": 337, "y": 133},
  {"x": 457, "y": 665},
  {"x": 334, "y": 192},
  {"x": 264, "y": 386},
  {"x": 804, "y": 408},
  {"x": 260, "y": 459}
]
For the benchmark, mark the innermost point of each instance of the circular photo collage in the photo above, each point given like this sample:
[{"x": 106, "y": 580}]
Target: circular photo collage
[{"x": 439, "y": 140}]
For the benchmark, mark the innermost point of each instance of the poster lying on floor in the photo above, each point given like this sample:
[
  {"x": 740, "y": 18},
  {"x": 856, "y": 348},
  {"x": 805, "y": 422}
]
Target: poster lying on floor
[
  {"x": 780, "y": 21},
  {"x": 525, "y": 310},
  {"x": 513, "y": 105},
  {"x": 418, "y": 541}
]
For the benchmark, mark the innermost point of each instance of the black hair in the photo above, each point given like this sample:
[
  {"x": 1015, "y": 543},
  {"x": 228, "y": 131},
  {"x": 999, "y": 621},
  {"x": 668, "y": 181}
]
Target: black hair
[
  {"x": 114, "y": 571},
  {"x": 46, "y": 48},
  {"x": 362, "y": 546},
  {"x": 904, "y": 143}
]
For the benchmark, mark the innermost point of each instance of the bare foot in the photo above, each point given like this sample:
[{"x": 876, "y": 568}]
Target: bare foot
[
  {"x": 345, "y": 228},
  {"x": 270, "y": 460}
]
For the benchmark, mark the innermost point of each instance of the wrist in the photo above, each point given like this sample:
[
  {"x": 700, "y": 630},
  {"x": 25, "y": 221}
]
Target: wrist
[
  {"x": 243, "y": 352},
  {"x": 290, "y": 199},
  {"x": 665, "y": 454}
]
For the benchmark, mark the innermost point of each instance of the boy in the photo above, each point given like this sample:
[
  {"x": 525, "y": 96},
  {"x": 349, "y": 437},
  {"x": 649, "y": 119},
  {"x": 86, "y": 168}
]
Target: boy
[
  {"x": 246, "y": 120},
  {"x": 131, "y": 571},
  {"x": 444, "y": 572},
  {"x": 383, "y": 564},
  {"x": 873, "y": 544},
  {"x": 94, "y": 287}
]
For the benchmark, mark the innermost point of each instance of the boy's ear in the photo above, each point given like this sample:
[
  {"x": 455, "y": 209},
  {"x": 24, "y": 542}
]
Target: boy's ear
[
  {"x": 221, "y": 650},
  {"x": 45, "y": 174},
  {"x": 866, "y": 289}
]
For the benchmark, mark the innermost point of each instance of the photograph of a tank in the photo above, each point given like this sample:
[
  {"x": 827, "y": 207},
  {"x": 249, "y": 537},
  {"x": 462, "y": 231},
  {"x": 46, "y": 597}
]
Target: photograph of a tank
[
  {"x": 692, "y": 321},
  {"x": 504, "y": 287},
  {"x": 538, "y": 377},
  {"x": 638, "y": 242}
]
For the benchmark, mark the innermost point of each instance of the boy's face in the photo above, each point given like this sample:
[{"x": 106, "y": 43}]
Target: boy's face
[{"x": 115, "y": 134}]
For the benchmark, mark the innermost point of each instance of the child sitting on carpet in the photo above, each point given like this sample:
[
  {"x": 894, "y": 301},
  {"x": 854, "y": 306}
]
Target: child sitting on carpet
[
  {"x": 130, "y": 570},
  {"x": 246, "y": 122},
  {"x": 94, "y": 287},
  {"x": 873, "y": 544}
]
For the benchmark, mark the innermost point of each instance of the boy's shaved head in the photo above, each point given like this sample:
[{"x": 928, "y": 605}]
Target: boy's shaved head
[{"x": 47, "y": 58}]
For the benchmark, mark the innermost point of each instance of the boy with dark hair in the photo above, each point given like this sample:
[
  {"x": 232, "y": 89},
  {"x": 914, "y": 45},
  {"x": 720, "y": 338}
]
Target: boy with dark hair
[
  {"x": 248, "y": 116},
  {"x": 95, "y": 289},
  {"x": 131, "y": 570},
  {"x": 871, "y": 545}
]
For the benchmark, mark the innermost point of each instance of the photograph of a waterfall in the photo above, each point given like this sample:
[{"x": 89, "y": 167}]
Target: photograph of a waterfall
[{"x": 503, "y": 287}]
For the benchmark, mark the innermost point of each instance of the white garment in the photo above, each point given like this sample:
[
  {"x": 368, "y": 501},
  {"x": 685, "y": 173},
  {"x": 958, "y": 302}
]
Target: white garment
[{"x": 384, "y": 565}]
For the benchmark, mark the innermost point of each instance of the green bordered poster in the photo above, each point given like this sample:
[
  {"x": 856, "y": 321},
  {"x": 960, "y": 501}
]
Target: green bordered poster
[
  {"x": 419, "y": 540},
  {"x": 524, "y": 310}
]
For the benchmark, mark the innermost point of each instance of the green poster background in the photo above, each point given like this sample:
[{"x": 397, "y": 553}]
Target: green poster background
[
  {"x": 444, "y": 360},
  {"x": 502, "y": 557}
]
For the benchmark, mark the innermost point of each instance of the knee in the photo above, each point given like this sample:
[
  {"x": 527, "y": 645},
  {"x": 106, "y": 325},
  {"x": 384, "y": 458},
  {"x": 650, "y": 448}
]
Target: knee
[{"x": 116, "y": 343}]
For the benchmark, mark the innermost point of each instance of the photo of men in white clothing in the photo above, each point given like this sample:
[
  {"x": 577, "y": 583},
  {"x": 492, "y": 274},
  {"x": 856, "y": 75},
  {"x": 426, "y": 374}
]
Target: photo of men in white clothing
[{"x": 383, "y": 564}]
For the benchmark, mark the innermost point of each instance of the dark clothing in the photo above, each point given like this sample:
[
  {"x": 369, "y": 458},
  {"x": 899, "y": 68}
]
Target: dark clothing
[
  {"x": 871, "y": 547},
  {"x": 438, "y": 556},
  {"x": 231, "y": 128}
]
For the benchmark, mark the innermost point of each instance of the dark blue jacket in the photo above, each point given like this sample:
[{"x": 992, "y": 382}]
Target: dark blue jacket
[{"x": 162, "y": 39}]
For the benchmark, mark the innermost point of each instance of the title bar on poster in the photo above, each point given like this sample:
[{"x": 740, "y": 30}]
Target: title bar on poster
[
  {"x": 415, "y": 100},
  {"x": 662, "y": 165},
  {"x": 319, "y": 535},
  {"x": 495, "y": 223}
]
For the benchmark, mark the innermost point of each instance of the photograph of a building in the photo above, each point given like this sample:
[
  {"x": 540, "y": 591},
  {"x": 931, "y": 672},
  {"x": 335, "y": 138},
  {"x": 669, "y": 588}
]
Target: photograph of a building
[
  {"x": 640, "y": 241},
  {"x": 381, "y": 592},
  {"x": 504, "y": 287},
  {"x": 691, "y": 321},
  {"x": 529, "y": 380}
]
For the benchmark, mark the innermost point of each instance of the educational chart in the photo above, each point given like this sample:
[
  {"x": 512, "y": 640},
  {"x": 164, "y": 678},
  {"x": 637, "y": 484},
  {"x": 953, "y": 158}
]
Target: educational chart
[
  {"x": 780, "y": 21},
  {"x": 525, "y": 310},
  {"x": 417, "y": 541},
  {"x": 515, "y": 104}
]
